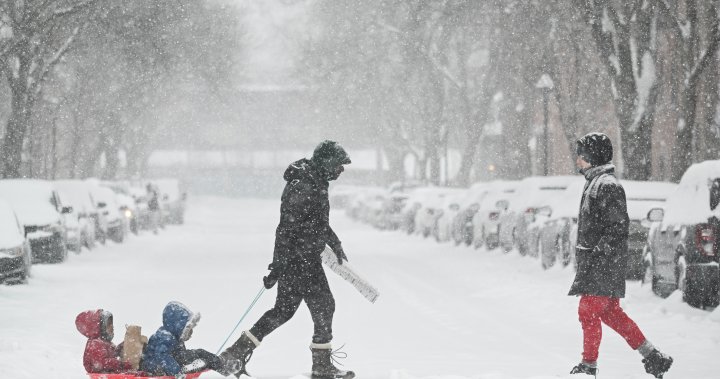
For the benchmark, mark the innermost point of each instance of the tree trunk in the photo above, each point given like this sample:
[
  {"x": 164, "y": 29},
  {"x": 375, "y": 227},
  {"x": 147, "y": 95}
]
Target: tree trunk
[{"x": 17, "y": 123}]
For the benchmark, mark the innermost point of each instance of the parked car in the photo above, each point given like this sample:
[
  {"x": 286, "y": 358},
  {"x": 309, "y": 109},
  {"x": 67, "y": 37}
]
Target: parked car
[
  {"x": 486, "y": 222},
  {"x": 431, "y": 209},
  {"x": 39, "y": 210},
  {"x": 462, "y": 226},
  {"x": 110, "y": 212},
  {"x": 556, "y": 234},
  {"x": 172, "y": 200},
  {"x": 641, "y": 196},
  {"x": 391, "y": 217},
  {"x": 452, "y": 205},
  {"x": 415, "y": 201},
  {"x": 532, "y": 193},
  {"x": 15, "y": 253},
  {"x": 682, "y": 249},
  {"x": 81, "y": 222}
]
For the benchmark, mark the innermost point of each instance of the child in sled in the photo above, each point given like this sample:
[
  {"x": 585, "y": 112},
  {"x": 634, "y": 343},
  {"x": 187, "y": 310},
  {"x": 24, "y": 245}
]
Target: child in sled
[
  {"x": 166, "y": 354},
  {"x": 101, "y": 355}
]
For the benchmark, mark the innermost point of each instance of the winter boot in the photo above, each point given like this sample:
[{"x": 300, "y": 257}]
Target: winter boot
[
  {"x": 584, "y": 368},
  {"x": 323, "y": 368},
  {"x": 657, "y": 363},
  {"x": 238, "y": 355}
]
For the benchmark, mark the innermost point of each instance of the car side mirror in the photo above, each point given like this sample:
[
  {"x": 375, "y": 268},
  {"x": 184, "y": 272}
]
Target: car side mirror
[
  {"x": 714, "y": 194},
  {"x": 184, "y": 196},
  {"x": 656, "y": 215},
  {"x": 502, "y": 204},
  {"x": 66, "y": 210},
  {"x": 102, "y": 205}
]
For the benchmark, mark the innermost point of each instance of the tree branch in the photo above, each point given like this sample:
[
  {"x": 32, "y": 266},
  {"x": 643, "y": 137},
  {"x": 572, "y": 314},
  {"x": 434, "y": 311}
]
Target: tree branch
[{"x": 59, "y": 53}]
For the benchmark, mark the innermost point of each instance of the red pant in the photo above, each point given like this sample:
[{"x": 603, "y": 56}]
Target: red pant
[{"x": 592, "y": 310}]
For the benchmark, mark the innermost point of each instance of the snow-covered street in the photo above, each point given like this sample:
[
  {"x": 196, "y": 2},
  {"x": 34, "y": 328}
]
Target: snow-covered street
[{"x": 443, "y": 312}]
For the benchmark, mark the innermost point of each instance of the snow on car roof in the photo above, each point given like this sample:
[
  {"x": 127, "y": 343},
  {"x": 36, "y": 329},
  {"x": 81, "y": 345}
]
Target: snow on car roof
[
  {"x": 567, "y": 203},
  {"x": 642, "y": 196},
  {"x": 75, "y": 193},
  {"x": 32, "y": 200},
  {"x": 537, "y": 191},
  {"x": 690, "y": 203}
]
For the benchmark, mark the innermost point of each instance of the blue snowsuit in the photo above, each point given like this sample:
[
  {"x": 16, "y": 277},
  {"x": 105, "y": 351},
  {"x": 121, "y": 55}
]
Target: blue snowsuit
[{"x": 165, "y": 353}]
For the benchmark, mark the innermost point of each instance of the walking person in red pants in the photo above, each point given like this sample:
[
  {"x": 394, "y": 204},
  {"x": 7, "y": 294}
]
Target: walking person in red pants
[{"x": 601, "y": 256}]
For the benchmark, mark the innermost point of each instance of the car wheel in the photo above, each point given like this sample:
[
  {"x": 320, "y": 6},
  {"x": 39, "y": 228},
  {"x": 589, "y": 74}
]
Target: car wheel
[{"x": 683, "y": 284}]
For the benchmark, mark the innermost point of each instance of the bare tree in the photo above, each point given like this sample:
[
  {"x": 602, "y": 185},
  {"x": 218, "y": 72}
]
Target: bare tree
[{"x": 41, "y": 33}]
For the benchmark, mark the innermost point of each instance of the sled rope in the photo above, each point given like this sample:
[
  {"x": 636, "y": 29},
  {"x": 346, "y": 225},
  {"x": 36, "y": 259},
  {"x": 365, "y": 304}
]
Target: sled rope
[{"x": 255, "y": 300}]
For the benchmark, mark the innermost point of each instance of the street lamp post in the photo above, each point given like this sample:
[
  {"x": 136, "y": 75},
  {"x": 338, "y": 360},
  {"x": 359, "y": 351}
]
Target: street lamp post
[{"x": 546, "y": 85}]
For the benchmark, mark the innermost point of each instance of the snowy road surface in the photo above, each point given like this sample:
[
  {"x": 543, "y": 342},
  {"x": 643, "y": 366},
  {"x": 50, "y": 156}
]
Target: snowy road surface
[{"x": 443, "y": 312}]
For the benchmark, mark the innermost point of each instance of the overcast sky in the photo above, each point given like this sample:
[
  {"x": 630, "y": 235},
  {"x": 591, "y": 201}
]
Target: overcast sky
[{"x": 271, "y": 47}]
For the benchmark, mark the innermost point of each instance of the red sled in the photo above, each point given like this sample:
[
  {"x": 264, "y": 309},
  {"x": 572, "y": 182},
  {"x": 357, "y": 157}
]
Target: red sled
[{"x": 194, "y": 375}]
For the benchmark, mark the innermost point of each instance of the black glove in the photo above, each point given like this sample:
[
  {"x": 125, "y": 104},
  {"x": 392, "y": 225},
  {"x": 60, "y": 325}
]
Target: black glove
[
  {"x": 340, "y": 254},
  {"x": 272, "y": 278}
]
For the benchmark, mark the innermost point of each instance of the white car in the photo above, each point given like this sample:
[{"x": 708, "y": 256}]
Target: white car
[
  {"x": 15, "y": 254},
  {"x": 532, "y": 194},
  {"x": 38, "y": 208},
  {"x": 486, "y": 221},
  {"x": 82, "y": 221},
  {"x": 435, "y": 203},
  {"x": 452, "y": 205},
  {"x": 107, "y": 204}
]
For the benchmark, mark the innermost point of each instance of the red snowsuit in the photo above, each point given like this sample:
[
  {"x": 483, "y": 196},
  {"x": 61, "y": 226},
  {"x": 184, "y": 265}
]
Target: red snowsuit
[{"x": 101, "y": 355}]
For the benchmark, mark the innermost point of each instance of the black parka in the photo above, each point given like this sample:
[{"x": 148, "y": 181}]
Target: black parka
[
  {"x": 304, "y": 229},
  {"x": 603, "y": 223}
]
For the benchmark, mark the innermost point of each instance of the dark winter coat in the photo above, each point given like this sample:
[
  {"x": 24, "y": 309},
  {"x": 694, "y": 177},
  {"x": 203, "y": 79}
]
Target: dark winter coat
[
  {"x": 304, "y": 229},
  {"x": 603, "y": 223},
  {"x": 101, "y": 355},
  {"x": 166, "y": 345}
]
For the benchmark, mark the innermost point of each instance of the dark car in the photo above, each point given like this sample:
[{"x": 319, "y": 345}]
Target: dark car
[
  {"x": 641, "y": 197},
  {"x": 15, "y": 255},
  {"x": 682, "y": 247}
]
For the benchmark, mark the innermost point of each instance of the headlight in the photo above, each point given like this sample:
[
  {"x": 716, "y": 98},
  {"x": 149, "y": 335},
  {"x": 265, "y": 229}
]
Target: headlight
[
  {"x": 128, "y": 213},
  {"x": 12, "y": 253}
]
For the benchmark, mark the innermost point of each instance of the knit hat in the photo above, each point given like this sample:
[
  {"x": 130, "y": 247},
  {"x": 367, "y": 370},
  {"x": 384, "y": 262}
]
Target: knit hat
[{"x": 595, "y": 148}]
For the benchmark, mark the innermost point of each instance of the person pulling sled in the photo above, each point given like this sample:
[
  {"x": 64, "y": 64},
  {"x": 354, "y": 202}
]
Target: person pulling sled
[{"x": 300, "y": 239}]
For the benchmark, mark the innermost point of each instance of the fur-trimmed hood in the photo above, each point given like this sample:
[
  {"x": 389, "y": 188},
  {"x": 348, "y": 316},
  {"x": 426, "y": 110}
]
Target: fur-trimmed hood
[{"x": 179, "y": 320}]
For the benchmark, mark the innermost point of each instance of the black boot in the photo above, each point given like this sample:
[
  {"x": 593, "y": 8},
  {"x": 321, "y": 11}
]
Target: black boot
[
  {"x": 584, "y": 368},
  {"x": 323, "y": 367},
  {"x": 238, "y": 355},
  {"x": 657, "y": 363}
]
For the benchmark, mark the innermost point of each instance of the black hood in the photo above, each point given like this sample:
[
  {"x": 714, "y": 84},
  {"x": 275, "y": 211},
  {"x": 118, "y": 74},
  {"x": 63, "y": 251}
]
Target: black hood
[{"x": 299, "y": 170}]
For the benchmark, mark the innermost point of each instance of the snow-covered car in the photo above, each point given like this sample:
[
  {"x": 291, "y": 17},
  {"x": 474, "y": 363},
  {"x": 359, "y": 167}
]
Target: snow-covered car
[
  {"x": 129, "y": 207},
  {"x": 359, "y": 203},
  {"x": 81, "y": 222},
  {"x": 107, "y": 204},
  {"x": 15, "y": 253},
  {"x": 683, "y": 248},
  {"x": 172, "y": 200},
  {"x": 555, "y": 234},
  {"x": 461, "y": 229},
  {"x": 449, "y": 212},
  {"x": 641, "y": 196},
  {"x": 39, "y": 210},
  {"x": 431, "y": 209},
  {"x": 516, "y": 224},
  {"x": 486, "y": 221},
  {"x": 391, "y": 217}
]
